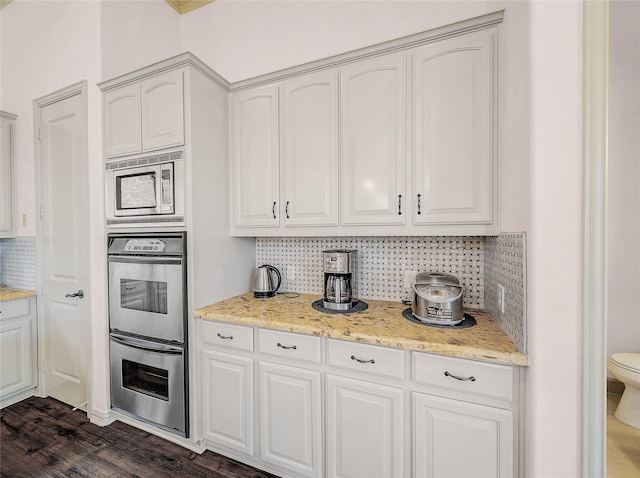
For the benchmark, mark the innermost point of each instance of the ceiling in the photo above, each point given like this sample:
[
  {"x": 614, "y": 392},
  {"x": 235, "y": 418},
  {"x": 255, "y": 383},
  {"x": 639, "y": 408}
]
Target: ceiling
[{"x": 180, "y": 6}]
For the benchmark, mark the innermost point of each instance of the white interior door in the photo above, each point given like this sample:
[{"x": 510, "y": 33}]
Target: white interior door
[{"x": 63, "y": 245}]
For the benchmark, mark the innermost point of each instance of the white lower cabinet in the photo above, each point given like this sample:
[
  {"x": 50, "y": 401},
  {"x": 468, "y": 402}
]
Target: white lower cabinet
[
  {"x": 290, "y": 418},
  {"x": 306, "y": 406},
  {"x": 365, "y": 429},
  {"x": 456, "y": 439},
  {"x": 18, "y": 350},
  {"x": 227, "y": 400}
]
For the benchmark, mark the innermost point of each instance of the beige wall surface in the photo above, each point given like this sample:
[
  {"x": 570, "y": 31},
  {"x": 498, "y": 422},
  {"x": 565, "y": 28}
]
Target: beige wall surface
[{"x": 623, "y": 276}]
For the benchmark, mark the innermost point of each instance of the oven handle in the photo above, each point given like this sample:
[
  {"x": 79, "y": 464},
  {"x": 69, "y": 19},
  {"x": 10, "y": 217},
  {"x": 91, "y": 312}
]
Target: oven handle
[
  {"x": 143, "y": 345},
  {"x": 144, "y": 260}
]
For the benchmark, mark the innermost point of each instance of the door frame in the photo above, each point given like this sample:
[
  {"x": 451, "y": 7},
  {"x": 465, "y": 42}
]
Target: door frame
[
  {"x": 594, "y": 236},
  {"x": 75, "y": 89}
]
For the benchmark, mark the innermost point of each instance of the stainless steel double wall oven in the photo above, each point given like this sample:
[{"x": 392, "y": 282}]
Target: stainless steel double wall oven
[{"x": 148, "y": 328}]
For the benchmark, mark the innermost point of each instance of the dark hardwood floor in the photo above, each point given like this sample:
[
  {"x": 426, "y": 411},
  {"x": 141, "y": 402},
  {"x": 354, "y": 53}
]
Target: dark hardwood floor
[{"x": 42, "y": 437}]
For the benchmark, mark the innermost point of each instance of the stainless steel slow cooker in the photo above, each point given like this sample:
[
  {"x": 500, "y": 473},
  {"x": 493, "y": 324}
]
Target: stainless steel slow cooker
[{"x": 437, "y": 298}]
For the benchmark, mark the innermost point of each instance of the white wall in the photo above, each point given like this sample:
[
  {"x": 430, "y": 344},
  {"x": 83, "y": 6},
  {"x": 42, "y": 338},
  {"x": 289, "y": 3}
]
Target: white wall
[
  {"x": 135, "y": 34},
  {"x": 623, "y": 276},
  {"x": 46, "y": 46},
  {"x": 555, "y": 235}
]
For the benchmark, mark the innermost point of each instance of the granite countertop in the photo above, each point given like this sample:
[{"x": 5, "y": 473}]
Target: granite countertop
[
  {"x": 381, "y": 324},
  {"x": 9, "y": 293}
]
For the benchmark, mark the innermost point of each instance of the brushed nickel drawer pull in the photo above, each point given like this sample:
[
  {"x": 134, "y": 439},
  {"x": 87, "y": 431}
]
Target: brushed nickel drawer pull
[
  {"x": 225, "y": 337},
  {"x": 286, "y": 347},
  {"x": 353, "y": 357},
  {"x": 462, "y": 379}
]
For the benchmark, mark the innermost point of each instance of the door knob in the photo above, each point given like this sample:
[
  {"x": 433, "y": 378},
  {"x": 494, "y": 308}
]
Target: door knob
[{"x": 79, "y": 294}]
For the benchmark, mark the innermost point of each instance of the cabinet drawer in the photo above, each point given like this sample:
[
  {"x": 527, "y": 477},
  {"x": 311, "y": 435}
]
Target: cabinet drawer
[
  {"x": 288, "y": 345},
  {"x": 12, "y": 309},
  {"x": 480, "y": 378},
  {"x": 383, "y": 361},
  {"x": 236, "y": 337}
]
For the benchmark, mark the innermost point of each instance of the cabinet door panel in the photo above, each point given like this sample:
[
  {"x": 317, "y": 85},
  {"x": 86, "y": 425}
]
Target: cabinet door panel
[
  {"x": 310, "y": 150},
  {"x": 457, "y": 439},
  {"x": 122, "y": 121},
  {"x": 227, "y": 400},
  {"x": 254, "y": 157},
  {"x": 365, "y": 429},
  {"x": 15, "y": 354},
  {"x": 454, "y": 130},
  {"x": 373, "y": 109},
  {"x": 162, "y": 111},
  {"x": 290, "y": 418},
  {"x": 8, "y": 211}
]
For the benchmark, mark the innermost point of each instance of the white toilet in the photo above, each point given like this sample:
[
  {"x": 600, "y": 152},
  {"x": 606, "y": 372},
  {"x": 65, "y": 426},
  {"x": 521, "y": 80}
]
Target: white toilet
[{"x": 626, "y": 368}]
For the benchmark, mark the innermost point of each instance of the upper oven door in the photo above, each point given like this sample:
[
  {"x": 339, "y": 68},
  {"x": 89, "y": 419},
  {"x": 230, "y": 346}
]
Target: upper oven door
[
  {"x": 146, "y": 296},
  {"x": 138, "y": 191}
]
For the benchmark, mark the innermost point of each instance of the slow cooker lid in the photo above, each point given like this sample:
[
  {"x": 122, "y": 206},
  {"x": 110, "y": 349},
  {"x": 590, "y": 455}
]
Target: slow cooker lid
[{"x": 436, "y": 278}]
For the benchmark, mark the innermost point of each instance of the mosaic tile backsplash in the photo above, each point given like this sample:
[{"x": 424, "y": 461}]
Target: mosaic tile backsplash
[
  {"x": 381, "y": 263},
  {"x": 480, "y": 263},
  {"x": 505, "y": 264},
  {"x": 18, "y": 262}
]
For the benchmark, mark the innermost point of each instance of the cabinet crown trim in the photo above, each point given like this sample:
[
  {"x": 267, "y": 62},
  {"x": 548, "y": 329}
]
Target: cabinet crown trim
[{"x": 173, "y": 63}]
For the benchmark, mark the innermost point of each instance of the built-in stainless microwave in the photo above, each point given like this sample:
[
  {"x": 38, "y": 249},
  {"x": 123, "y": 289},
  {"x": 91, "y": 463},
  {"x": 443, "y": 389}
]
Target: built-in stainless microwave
[{"x": 146, "y": 190}]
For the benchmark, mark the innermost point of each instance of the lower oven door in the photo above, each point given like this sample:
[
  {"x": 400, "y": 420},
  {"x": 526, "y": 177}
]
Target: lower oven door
[{"x": 148, "y": 382}]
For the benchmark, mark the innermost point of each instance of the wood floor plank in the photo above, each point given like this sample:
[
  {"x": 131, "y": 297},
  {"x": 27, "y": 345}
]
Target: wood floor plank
[{"x": 45, "y": 438}]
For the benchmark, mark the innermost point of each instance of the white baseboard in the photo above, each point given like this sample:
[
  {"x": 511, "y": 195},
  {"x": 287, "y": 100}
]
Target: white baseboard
[{"x": 18, "y": 397}]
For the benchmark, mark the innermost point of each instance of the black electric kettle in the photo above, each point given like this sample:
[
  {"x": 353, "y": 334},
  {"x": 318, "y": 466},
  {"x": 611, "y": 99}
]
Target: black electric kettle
[{"x": 263, "y": 287}]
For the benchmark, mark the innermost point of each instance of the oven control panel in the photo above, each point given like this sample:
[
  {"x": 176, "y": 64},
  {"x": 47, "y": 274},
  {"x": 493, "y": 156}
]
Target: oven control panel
[{"x": 145, "y": 245}]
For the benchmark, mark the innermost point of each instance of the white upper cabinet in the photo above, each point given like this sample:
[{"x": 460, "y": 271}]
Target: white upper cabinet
[
  {"x": 255, "y": 158},
  {"x": 162, "y": 111},
  {"x": 144, "y": 116},
  {"x": 455, "y": 130},
  {"x": 400, "y": 139},
  {"x": 8, "y": 209},
  {"x": 372, "y": 132},
  {"x": 122, "y": 124},
  {"x": 310, "y": 150}
]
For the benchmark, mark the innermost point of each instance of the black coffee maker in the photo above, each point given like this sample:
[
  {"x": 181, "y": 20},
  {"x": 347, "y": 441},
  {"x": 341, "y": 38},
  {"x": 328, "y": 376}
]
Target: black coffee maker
[{"x": 339, "y": 267}]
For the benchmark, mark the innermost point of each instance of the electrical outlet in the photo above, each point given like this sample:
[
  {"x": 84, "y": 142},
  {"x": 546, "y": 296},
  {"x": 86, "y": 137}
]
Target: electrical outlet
[
  {"x": 501, "y": 298},
  {"x": 291, "y": 272},
  {"x": 409, "y": 279}
]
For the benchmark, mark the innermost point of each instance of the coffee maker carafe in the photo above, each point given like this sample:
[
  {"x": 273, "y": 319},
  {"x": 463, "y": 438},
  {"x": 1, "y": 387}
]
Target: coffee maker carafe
[{"x": 339, "y": 267}]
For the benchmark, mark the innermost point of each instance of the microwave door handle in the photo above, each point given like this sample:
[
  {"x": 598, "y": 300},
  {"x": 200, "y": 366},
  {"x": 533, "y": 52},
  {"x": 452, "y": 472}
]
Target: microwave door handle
[
  {"x": 159, "y": 183},
  {"x": 145, "y": 260},
  {"x": 144, "y": 345}
]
